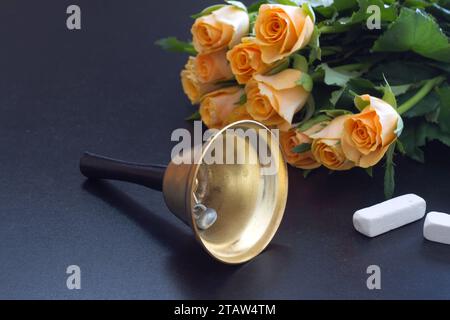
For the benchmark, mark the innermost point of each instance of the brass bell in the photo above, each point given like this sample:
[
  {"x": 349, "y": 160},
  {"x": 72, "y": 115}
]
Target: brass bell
[{"x": 233, "y": 209}]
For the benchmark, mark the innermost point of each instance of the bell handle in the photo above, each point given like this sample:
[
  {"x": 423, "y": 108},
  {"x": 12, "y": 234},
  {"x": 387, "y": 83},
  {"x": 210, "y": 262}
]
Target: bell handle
[{"x": 97, "y": 167}]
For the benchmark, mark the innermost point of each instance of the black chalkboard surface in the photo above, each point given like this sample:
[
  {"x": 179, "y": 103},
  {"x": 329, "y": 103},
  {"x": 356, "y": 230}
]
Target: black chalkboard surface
[{"x": 107, "y": 89}]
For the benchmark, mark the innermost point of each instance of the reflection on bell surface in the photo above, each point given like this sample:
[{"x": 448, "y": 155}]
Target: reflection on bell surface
[{"x": 231, "y": 196}]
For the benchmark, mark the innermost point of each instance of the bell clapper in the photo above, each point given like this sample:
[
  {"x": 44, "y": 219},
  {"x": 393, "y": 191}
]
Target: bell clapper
[{"x": 204, "y": 217}]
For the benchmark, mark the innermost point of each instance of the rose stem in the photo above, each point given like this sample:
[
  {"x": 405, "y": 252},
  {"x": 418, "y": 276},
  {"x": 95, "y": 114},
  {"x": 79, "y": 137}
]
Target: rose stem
[
  {"x": 422, "y": 93},
  {"x": 334, "y": 29}
]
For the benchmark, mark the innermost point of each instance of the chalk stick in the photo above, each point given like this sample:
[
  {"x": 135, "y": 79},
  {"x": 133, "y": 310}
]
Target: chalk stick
[
  {"x": 389, "y": 215},
  {"x": 437, "y": 227}
]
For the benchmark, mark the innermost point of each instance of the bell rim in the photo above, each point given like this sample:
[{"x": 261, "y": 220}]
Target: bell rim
[{"x": 280, "y": 210}]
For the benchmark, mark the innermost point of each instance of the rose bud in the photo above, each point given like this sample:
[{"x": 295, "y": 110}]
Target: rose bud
[
  {"x": 282, "y": 30},
  {"x": 367, "y": 136},
  {"x": 216, "y": 106},
  {"x": 223, "y": 28},
  {"x": 303, "y": 157},
  {"x": 327, "y": 148},
  {"x": 274, "y": 100}
]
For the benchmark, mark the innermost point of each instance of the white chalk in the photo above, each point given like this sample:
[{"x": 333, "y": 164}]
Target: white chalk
[
  {"x": 437, "y": 227},
  {"x": 389, "y": 215}
]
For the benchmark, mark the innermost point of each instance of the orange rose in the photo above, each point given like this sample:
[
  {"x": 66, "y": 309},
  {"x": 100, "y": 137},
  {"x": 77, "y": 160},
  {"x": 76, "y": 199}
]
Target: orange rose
[
  {"x": 274, "y": 100},
  {"x": 245, "y": 60},
  {"x": 192, "y": 86},
  {"x": 294, "y": 138},
  {"x": 223, "y": 28},
  {"x": 327, "y": 148},
  {"x": 217, "y": 106},
  {"x": 282, "y": 30},
  {"x": 368, "y": 135},
  {"x": 212, "y": 67}
]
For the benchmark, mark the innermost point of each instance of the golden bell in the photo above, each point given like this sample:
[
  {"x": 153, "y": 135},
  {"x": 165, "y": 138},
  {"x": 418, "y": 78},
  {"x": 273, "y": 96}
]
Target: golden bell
[{"x": 234, "y": 209}]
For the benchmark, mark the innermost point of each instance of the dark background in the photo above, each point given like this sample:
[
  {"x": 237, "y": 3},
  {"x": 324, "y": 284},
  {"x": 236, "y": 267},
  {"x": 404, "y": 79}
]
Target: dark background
[{"x": 109, "y": 90}]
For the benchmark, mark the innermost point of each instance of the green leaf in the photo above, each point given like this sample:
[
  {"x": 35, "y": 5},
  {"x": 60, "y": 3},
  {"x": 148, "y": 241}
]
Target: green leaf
[
  {"x": 358, "y": 16},
  {"x": 172, "y": 44},
  {"x": 427, "y": 105},
  {"x": 337, "y": 78},
  {"x": 433, "y": 117},
  {"x": 399, "y": 90},
  {"x": 399, "y": 72},
  {"x": 409, "y": 142},
  {"x": 360, "y": 84},
  {"x": 195, "y": 116},
  {"x": 310, "y": 108},
  {"x": 401, "y": 147},
  {"x": 328, "y": 12},
  {"x": 314, "y": 44},
  {"x": 207, "y": 11},
  {"x": 421, "y": 4},
  {"x": 312, "y": 122},
  {"x": 254, "y": 7},
  {"x": 389, "y": 176},
  {"x": 354, "y": 88},
  {"x": 306, "y": 82},
  {"x": 334, "y": 113},
  {"x": 336, "y": 96},
  {"x": 444, "y": 114},
  {"x": 389, "y": 95},
  {"x": 388, "y": 13},
  {"x": 417, "y": 135},
  {"x": 322, "y": 95},
  {"x": 428, "y": 132},
  {"x": 440, "y": 65},
  {"x": 361, "y": 104},
  {"x": 302, "y": 148},
  {"x": 342, "y": 5},
  {"x": 331, "y": 8},
  {"x": 242, "y": 100},
  {"x": 280, "y": 66},
  {"x": 307, "y": 8},
  {"x": 415, "y": 31},
  {"x": 369, "y": 171},
  {"x": 237, "y": 4},
  {"x": 300, "y": 63},
  {"x": 286, "y": 2},
  {"x": 306, "y": 173},
  {"x": 216, "y": 7},
  {"x": 252, "y": 18}
]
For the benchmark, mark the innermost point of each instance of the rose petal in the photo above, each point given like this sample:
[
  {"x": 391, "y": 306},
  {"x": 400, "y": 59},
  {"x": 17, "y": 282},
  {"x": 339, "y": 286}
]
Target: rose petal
[
  {"x": 237, "y": 19},
  {"x": 373, "y": 158},
  {"x": 284, "y": 80},
  {"x": 306, "y": 34},
  {"x": 333, "y": 131},
  {"x": 388, "y": 118}
]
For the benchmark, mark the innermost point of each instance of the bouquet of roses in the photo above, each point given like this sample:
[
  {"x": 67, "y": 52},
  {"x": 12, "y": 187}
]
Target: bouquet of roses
[{"x": 347, "y": 82}]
